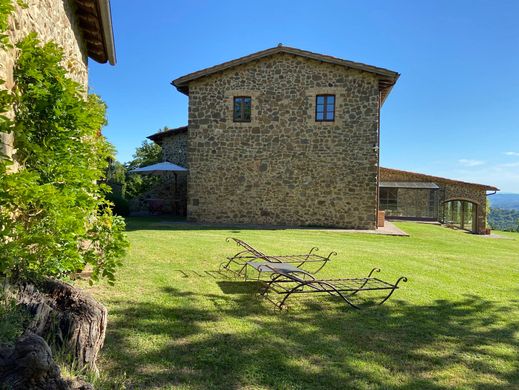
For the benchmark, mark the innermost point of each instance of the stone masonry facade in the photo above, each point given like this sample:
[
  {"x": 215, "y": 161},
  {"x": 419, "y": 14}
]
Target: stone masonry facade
[
  {"x": 449, "y": 190},
  {"x": 52, "y": 20},
  {"x": 283, "y": 167},
  {"x": 174, "y": 149}
]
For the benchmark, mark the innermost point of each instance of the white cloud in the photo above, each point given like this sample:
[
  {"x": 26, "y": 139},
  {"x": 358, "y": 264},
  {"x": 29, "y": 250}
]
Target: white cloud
[
  {"x": 505, "y": 178},
  {"x": 470, "y": 163},
  {"x": 515, "y": 154},
  {"x": 510, "y": 165}
]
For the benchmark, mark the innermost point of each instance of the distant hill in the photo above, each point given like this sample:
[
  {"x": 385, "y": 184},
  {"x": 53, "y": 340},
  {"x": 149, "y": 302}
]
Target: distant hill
[
  {"x": 504, "y": 201},
  {"x": 501, "y": 219}
]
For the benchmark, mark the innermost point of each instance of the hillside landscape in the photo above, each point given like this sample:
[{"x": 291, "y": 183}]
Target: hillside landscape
[
  {"x": 504, "y": 212},
  {"x": 505, "y": 201}
]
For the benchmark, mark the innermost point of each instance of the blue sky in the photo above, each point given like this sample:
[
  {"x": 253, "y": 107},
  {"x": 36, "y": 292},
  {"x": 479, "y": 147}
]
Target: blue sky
[{"x": 454, "y": 111}]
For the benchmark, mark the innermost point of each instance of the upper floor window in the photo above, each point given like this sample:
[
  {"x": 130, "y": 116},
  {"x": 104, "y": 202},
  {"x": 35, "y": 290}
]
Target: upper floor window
[
  {"x": 242, "y": 109},
  {"x": 325, "y": 108}
]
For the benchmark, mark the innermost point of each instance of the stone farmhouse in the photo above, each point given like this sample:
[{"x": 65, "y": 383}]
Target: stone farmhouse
[
  {"x": 290, "y": 137},
  {"x": 83, "y": 28}
]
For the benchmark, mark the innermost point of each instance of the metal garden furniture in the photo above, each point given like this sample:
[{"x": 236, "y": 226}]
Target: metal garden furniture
[
  {"x": 250, "y": 257},
  {"x": 287, "y": 284}
]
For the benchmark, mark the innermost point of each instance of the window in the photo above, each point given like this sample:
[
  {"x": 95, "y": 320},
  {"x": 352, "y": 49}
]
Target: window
[
  {"x": 325, "y": 108},
  {"x": 242, "y": 109},
  {"x": 388, "y": 198}
]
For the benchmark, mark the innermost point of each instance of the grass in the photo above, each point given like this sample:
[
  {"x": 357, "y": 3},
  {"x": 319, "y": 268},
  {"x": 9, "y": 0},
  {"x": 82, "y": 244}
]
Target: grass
[
  {"x": 173, "y": 323},
  {"x": 13, "y": 317}
]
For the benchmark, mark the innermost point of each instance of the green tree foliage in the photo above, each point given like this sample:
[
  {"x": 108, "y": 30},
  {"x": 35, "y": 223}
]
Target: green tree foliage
[
  {"x": 13, "y": 318},
  {"x": 147, "y": 154},
  {"x": 503, "y": 219},
  {"x": 116, "y": 179},
  {"x": 6, "y": 7},
  {"x": 54, "y": 217},
  {"x": 126, "y": 185}
]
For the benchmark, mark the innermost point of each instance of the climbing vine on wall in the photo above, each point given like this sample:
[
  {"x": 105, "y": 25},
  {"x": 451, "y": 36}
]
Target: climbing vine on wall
[{"x": 54, "y": 217}]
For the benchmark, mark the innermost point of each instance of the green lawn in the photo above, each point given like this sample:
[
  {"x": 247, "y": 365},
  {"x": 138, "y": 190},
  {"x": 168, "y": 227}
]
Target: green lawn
[{"x": 173, "y": 323}]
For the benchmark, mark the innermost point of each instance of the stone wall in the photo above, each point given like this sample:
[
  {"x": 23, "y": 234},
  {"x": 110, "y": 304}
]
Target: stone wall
[
  {"x": 52, "y": 20},
  {"x": 283, "y": 168},
  {"x": 449, "y": 190},
  {"x": 475, "y": 195},
  {"x": 174, "y": 149}
]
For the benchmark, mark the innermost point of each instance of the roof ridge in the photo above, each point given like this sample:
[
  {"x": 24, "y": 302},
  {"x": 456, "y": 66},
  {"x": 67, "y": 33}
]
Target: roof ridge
[
  {"x": 387, "y": 77},
  {"x": 157, "y": 137},
  {"x": 492, "y": 188}
]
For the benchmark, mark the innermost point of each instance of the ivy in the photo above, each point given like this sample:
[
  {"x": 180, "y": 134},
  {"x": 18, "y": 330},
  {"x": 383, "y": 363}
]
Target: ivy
[
  {"x": 54, "y": 216},
  {"x": 6, "y": 8}
]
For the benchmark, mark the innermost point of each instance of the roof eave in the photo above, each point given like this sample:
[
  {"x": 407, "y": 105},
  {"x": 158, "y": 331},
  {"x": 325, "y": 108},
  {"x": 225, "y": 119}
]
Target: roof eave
[
  {"x": 182, "y": 83},
  {"x": 182, "y": 89},
  {"x": 95, "y": 21},
  {"x": 431, "y": 177},
  {"x": 108, "y": 33},
  {"x": 159, "y": 136},
  {"x": 385, "y": 93}
]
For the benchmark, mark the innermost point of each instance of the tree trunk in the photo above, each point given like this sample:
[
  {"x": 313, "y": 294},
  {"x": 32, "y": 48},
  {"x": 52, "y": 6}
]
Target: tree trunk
[
  {"x": 66, "y": 317},
  {"x": 29, "y": 366}
]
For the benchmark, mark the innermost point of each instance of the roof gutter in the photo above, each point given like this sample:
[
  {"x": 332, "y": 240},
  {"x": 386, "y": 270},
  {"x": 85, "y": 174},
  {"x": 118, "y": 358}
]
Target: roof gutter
[{"x": 108, "y": 33}]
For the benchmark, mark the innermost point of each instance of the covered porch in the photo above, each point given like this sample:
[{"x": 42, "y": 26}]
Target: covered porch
[
  {"x": 409, "y": 200},
  {"x": 168, "y": 196},
  {"x": 416, "y": 196}
]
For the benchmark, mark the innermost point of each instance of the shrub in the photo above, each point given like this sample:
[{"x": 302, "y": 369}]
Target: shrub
[
  {"x": 120, "y": 205},
  {"x": 54, "y": 216},
  {"x": 13, "y": 318}
]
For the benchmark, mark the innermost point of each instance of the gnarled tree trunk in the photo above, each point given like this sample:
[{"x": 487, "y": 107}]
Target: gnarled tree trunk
[
  {"x": 66, "y": 317},
  {"x": 29, "y": 365}
]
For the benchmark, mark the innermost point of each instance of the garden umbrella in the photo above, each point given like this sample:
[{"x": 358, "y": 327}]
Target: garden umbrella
[{"x": 159, "y": 169}]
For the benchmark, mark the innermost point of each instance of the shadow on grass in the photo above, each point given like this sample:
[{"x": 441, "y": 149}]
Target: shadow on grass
[
  {"x": 193, "y": 273},
  {"x": 181, "y": 224},
  {"x": 467, "y": 343},
  {"x": 240, "y": 287},
  {"x": 178, "y": 223}
]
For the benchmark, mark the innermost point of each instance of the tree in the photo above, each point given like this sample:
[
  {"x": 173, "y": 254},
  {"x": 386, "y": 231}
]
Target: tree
[
  {"x": 504, "y": 219},
  {"x": 126, "y": 185},
  {"x": 116, "y": 178},
  {"x": 147, "y": 154}
]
